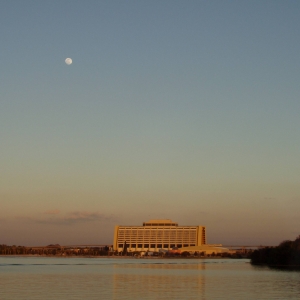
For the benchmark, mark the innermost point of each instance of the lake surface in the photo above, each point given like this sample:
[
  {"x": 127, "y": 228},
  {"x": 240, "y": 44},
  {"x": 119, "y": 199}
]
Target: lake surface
[{"x": 108, "y": 278}]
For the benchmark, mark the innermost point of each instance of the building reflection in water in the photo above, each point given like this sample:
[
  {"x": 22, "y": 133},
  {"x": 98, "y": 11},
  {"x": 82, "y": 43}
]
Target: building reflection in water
[{"x": 185, "y": 281}]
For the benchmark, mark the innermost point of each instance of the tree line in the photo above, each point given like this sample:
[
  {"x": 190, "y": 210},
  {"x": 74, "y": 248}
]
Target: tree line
[
  {"x": 54, "y": 251},
  {"x": 286, "y": 254}
]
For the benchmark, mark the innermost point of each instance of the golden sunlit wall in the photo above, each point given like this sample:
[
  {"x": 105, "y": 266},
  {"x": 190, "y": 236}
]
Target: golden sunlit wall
[{"x": 158, "y": 234}]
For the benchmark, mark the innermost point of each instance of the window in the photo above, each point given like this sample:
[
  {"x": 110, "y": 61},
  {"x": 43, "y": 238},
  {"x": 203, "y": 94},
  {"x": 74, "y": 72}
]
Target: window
[
  {"x": 152, "y": 245},
  {"x": 146, "y": 246},
  {"x": 179, "y": 245},
  {"x": 140, "y": 246},
  {"x": 120, "y": 245},
  {"x": 133, "y": 245},
  {"x": 166, "y": 246},
  {"x": 159, "y": 245}
]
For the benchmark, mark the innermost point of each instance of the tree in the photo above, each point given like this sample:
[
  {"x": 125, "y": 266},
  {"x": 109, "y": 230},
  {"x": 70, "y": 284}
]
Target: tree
[
  {"x": 185, "y": 254},
  {"x": 287, "y": 253}
]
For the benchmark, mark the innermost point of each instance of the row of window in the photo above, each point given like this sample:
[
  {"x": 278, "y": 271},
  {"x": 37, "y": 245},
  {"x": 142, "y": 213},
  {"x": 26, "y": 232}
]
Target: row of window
[
  {"x": 160, "y": 224},
  {"x": 160, "y": 234},
  {"x": 154, "y": 240},
  {"x": 157, "y": 232},
  {"x": 158, "y": 246},
  {"x": 157, "y": 241},
  {"x": 157, "y": 237},
  {"x": 157, "y": 229}
]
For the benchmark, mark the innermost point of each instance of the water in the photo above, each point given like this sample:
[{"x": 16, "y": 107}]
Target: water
[{"x": 108, "y": 278}]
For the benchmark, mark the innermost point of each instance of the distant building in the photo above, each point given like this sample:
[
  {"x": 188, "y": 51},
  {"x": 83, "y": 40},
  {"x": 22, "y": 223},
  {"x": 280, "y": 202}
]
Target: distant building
[{"x": 158, "y": 234}]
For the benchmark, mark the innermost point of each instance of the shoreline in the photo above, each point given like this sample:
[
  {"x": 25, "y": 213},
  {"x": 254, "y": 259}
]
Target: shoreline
[{"x": 110, "y": 257}]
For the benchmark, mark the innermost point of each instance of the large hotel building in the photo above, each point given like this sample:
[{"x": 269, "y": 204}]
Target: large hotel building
[{"x": 158, "y": 234}]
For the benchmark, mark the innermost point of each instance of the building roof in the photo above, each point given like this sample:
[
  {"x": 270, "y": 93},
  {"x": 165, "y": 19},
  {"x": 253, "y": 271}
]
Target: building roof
[{"x": 160, "y": 221}]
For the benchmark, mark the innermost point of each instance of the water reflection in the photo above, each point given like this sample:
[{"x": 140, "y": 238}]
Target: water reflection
[
  {"x": 143, "y": 279},
  {"x": 165, "y": 281}
]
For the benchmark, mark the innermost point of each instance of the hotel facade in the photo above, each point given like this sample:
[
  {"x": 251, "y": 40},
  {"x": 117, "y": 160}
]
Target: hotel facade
[{"x": 158, "y": 234}]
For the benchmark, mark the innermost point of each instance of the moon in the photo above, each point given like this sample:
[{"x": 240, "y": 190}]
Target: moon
[{"x": 68, "y": 61}]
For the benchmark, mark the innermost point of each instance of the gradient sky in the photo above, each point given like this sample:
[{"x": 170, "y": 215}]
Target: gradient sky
[{"x": 187, "y": 110}]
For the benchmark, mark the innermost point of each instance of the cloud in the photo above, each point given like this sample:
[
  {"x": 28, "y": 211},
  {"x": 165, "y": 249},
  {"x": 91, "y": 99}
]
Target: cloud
[
  {"x": 52, "y": 212},
  {"x": 83, "y": 216},
  {"x": 73, "y": 218},
  {"x": 54, "y": 217}
]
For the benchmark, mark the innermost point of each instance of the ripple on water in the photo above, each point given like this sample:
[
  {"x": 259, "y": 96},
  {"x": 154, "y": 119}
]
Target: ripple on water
[{"x": 84, "y": 278}]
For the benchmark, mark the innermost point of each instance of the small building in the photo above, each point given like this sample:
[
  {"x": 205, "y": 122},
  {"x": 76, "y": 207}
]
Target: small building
[{"x": 206, "y": 249}]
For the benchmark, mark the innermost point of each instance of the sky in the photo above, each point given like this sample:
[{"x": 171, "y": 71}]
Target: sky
[{"x": 181, "y": 110}]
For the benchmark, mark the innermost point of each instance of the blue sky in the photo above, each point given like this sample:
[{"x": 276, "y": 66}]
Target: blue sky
[{"x": 187, "y": 110}]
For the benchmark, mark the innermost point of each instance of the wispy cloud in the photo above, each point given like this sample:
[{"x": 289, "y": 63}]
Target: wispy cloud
[
  {"x": 83, "y": 216},
  {"x": 73, "y": 218},
  {"x": 52, "y": 212}
]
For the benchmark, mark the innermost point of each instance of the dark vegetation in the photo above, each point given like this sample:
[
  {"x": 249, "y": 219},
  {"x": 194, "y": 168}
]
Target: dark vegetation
[
  {"x": 286, "y": 254},
  {"x": 54, "y": 250},
  {"x": 187, "y": 254},
  {"x": 57, "y": 250}
]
